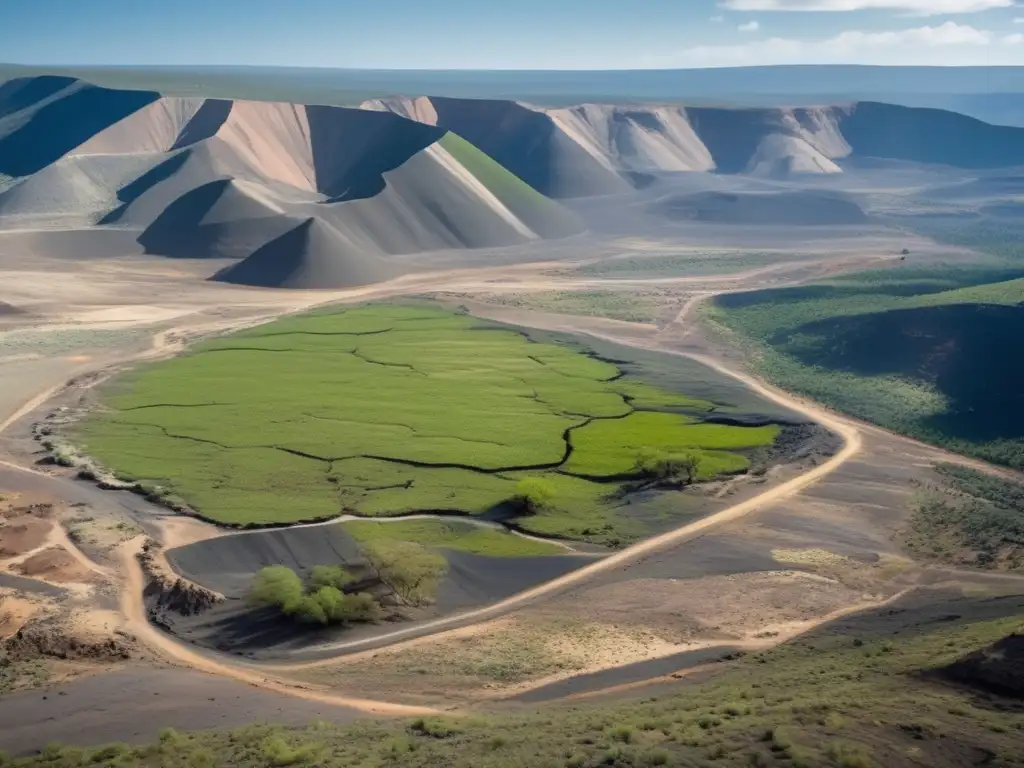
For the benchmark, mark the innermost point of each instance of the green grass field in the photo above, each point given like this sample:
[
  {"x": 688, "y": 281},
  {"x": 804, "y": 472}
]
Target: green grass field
[
  {"x": 452, "y": 534},
  {"x": 386, "y": 410},
  {"x": 850, "y": 698},
  {"x": 932, "y": 352}
]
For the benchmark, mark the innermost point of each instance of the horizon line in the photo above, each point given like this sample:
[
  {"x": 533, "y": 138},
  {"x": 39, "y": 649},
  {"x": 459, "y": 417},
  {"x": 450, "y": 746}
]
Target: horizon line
[{"x": 510, "y": 70}]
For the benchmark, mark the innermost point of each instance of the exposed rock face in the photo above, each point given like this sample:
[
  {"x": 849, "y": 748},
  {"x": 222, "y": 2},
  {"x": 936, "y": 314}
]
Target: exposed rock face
[
  {"x": 169, "y": 593},
  {"x": 49, "y": 641}
]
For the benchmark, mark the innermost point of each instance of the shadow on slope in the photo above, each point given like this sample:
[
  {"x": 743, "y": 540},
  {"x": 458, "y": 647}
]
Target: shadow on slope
[
  {"x": 63, "y": 124},
  {"x": 22, "y": 92},
  {"x": 973, "y": 354},
  {"x": 353, "y": 148},
  {"x": 931, "y": 136},
  {"x": 204, "y": 123},
  {"x": 530, "y": 145},
  {"x": 997, "y": 669},
  {"x": 215, "y": 220},
  {"x": 733, "y": 135},
  {"x": 133, "y": 191},
  {"x": 310, "y": 255}
]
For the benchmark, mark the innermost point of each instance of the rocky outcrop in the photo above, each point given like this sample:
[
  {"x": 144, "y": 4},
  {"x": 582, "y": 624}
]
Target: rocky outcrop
[{"x": 167, "y": 592}]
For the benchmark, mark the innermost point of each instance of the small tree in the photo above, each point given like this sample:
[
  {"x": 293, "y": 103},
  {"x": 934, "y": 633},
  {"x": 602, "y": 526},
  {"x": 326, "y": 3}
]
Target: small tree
[
  {"x": 323, "y": 602},
  {"x": 329, "y": 576},
  {"x": 410, "y": 570},
  {"x": 309, "y": 609},
  {"x": 534, "y": 494},
  {"x": 277, "y": 585},
  {"x": 360, "y": 606},
  {"x": 657, "y": 465}
]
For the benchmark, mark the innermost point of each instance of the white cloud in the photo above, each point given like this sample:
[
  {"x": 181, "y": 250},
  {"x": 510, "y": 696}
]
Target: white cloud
[
  {"x": 916, "y": 7},
  {"x": 750, "y": 26},
  {"x": 945, "y": 44},
  {"x": 1019, "y": 20}
]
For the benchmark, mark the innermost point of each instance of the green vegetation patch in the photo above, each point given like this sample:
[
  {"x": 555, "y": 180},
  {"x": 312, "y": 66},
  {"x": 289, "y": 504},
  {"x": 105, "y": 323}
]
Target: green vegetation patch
[
  {"x": 930, "y": 352},
  {"x": 611, "y": 448},
  {"x": 452, "y": 534},
  {"x": 385, "y": 410},
  {"x": 515, "y": 193},
  {"x": 969, "y": 518}
]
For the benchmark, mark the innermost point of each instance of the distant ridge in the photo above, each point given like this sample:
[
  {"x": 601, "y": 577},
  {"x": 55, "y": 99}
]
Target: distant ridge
[
  {"x": 595, "y": 149},
  {"x": 326, "y": 191},
  {"x": 192, "y": 177}
]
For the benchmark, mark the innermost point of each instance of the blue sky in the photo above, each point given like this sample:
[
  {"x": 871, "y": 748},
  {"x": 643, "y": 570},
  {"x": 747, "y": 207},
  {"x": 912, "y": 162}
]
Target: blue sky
[{"x": 511, "y": 34}]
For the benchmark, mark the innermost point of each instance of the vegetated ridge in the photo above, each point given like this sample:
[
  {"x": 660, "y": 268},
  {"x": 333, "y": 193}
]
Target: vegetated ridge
[{"x": 932, "y": 352}]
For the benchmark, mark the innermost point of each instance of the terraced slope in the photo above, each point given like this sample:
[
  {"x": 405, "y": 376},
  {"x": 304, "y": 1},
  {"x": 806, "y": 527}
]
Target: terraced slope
[{"x": 388, "y": 410}]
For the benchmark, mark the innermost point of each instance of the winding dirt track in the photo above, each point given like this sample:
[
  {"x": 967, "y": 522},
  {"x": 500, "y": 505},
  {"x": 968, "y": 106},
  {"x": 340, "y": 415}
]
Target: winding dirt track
[
  {"x": 852, "y": 446},
  {"x": 134, "y": 612},
  {"x": 174, "y": 650}
]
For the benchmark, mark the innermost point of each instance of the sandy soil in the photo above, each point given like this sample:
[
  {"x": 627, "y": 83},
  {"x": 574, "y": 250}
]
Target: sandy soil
[
  {"x": 494, "y": 659},
  {"x": 23, "y": 534},
  {"x": 57, "y": 566},
  {"x": 17, "y": 610}
]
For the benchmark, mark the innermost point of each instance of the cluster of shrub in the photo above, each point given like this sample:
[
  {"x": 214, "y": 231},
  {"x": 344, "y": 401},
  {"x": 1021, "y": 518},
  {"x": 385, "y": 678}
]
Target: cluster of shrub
[
  {"x": 969, "y": 518},
  {"x": 396, "y": 573}
]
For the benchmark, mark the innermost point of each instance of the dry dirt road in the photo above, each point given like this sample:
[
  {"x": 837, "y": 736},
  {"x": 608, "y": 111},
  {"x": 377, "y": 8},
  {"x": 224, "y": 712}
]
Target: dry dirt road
[
  {"x": 852, "y": 445},
  {"x": 168, "y": 342},
  {"x": 164, "y": 645},
  {"x": 133, "y": 609}
]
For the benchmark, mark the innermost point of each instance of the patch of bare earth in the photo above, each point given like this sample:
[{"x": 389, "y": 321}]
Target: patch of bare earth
[
  {"x": 54, "y": 565},
  {"x": 491, "y": 660},
  {"x": 43, "y": 642},
  {"x": 23, "y": 529},
  {"x": 99, "y": 535},
  {"x": 16, "y": 610},
  {"x": 716, "y": 608}
]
